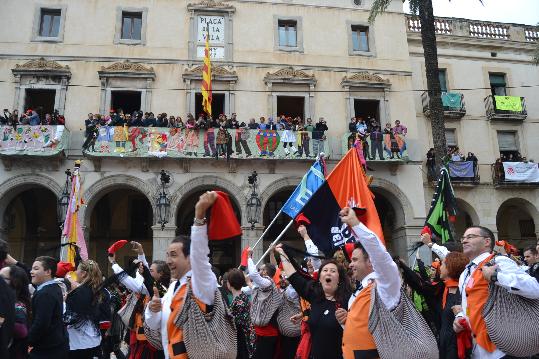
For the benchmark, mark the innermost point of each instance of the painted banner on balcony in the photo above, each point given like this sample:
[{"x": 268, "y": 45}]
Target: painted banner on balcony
[
  {"x": 33, "y": 140},
  {"x": 217, "y": 143},
  {"x": 377, "y": 146},
  {"x": 452, "y": 100},
  {"x": 508, "y": 103},
  {"x": 521, "y": 172},
  {"x": 464, "y": 169}
]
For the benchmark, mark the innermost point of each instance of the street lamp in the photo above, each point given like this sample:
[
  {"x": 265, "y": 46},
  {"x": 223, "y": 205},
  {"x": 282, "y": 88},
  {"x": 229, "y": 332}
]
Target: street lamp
[
  {"x": 163, "y": 203},
  {"x": 253, "y": 203},
  {"x": 63, "y": 201}
]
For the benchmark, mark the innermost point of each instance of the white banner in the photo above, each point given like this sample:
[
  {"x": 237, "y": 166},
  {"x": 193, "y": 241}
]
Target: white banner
[{"x": 521, "y": 171}]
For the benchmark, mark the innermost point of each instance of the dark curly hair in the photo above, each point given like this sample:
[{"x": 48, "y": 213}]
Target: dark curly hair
[{"x": 344, "y": 289}]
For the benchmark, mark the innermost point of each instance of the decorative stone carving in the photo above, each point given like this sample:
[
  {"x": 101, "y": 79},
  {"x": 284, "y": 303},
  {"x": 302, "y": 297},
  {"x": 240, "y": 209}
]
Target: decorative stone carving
[
  {"x": 211, "y": 5},
  {"x": 218, "y": 73},
  {"x": 289, "y": 75},
  {"x": 365, "y": 79},
  {"x": 42, "y": 65},
  {"x": 127, "y": 66}
]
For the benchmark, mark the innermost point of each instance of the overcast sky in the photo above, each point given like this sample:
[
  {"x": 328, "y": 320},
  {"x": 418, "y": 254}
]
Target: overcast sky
[{"x": 514, "y": 11}]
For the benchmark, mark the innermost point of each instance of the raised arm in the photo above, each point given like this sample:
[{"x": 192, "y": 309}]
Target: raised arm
[
  {"x": 135, "y": 285},
  {"x": 388, "y": 282},
  {"x": 439, "y": 250},
  {"x": 311, "y": 248},
  {"x": 513, "y": 278},
  {"x": 203, "y": 280}
]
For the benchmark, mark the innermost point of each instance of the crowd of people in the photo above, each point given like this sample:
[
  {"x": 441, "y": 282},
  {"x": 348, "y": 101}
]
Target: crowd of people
[
  {"x": 296, "y": 136},
  {"x": 32, "y": 117},
  {"x": 389, "y": 141},
  {"x": 299, "y": 305}
]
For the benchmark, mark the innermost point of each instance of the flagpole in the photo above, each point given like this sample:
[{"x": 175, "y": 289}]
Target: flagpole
[
  {"x": 275, "y": 241},
  {"x": 267, "y": 228}
]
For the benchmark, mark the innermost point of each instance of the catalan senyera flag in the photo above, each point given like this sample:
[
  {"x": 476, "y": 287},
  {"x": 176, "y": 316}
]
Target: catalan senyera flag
[
  {"x": 346, "y": 186},
  {"x": 206, "y": 78},
  {"x": 72, "y": 235}
]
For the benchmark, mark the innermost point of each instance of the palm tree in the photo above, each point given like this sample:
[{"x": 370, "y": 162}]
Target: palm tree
[{"x": 423, "y": 8}]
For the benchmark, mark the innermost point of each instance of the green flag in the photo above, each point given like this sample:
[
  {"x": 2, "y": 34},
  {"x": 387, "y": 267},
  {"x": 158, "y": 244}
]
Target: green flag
[{"x": 442, "y": 208}]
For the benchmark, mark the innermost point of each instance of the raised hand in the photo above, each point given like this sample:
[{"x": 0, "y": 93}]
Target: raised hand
[
  {"x": 205, "y": 201},
  {"x": 155, "y": 304},
  {"x": 348, "y": 216},
  {"x": 137, "y": 247}
]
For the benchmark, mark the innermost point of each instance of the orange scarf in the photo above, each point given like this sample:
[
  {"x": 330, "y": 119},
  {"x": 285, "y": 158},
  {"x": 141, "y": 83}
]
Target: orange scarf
[{"x": 449, "y": 283}]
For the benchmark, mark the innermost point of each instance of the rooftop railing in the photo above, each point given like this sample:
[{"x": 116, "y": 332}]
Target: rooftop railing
[{"x": 477, "y": 29}]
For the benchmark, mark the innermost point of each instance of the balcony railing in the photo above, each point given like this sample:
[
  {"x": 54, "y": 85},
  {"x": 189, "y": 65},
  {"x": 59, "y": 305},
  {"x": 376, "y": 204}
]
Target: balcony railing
[
  {"x": 39, "y": 140},
  {"x": 505, "y": 108},
  {"x": 393, "y": 148},
  {"x": 192, "y": 143},
  {"x": 516, "y": 174},
  {"x": 477, "y": 29},
  {"x": 453, "y": 104}
]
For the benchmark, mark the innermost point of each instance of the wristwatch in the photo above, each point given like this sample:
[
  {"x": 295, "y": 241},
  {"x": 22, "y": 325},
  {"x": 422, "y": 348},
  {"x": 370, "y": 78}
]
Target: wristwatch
[{"x": 199, "y": 222}]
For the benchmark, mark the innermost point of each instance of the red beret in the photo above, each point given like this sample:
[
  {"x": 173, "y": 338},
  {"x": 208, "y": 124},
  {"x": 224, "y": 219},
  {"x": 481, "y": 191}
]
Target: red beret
[
  {"x": 301, "y": 220},
  {"x": 116, "y": 246},
  {"x": 62, "y": 268},
  {"x": 223, "y": 223}
]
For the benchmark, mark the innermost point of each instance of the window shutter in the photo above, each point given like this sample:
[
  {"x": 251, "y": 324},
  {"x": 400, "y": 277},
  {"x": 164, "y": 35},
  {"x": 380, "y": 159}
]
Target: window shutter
[
  {"x": 450, "y": 137},
  {"x": 507, "y": 141}
]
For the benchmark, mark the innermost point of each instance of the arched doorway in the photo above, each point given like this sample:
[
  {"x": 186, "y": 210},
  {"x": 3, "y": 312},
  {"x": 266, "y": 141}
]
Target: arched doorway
[
  {"x": 31, "y": 222},
  {"x": 224, "y": 254},
  {"x": 466, "y": 217},
  {"x": 272, "y": 207},
  {"x": 515, "y": 222},
  {"x": 122, "y": 213},
  {"x": 388, "y": 219}
]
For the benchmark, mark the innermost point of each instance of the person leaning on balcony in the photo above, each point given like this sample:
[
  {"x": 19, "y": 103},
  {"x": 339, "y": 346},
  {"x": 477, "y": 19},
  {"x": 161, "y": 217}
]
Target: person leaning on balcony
[{"x": 319, "y": 136}]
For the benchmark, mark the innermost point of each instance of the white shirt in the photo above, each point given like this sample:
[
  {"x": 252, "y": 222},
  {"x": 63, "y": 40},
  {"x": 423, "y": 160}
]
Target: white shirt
[
  {"x": 258, "y": 280},
  {"x": 203, "y": 283},
  {"x": 510, "y": 277},
  {"x": 386, "y": 273},
  {"x": 135, "y": 285},
  {"x": 440, "y": 251},
  {"x": 312, "y": 249},
  {"x": 85, "y": 337}
]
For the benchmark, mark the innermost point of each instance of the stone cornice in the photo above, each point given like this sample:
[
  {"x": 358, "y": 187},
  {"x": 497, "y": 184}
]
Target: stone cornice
[
  {"x": 126, "y": 69},
  {"x": 212, "y": 6},
  {"x": 289, "y": 75},
  {"x": 42, "y": 66},
  {"x": 365, "y": 79},
  {"x": 218, "y": 73}
]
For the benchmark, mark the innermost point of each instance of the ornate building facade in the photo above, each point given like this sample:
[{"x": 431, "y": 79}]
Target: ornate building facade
[{"x": 307, "y": 58}]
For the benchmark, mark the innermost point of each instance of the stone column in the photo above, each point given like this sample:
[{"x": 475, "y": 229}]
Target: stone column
[
  {"x": 161, "y": 240},
  {"x": 249, "y": 238}
]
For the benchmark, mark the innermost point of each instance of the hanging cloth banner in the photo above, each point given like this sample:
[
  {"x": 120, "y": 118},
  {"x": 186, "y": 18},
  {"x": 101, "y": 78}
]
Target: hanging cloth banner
[
  {"x": 521, "y": 171},
  {"x": 508, "y": 103}
]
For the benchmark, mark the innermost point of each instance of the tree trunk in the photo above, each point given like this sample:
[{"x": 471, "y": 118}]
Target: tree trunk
[{"x": 430, "y": 53}]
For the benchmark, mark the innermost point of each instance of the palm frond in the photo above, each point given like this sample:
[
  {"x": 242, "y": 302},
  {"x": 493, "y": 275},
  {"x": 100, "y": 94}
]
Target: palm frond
[{"x": 378, "y": 7}]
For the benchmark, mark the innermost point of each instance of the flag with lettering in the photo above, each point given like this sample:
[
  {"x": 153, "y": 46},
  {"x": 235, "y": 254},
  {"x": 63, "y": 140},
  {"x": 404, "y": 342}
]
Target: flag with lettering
[
  {"x": 206, "y": 77},
  {"x": 310, "y": 182},
  {"x": 346, "y": 186},
  {"x": 442, "y": 208}
]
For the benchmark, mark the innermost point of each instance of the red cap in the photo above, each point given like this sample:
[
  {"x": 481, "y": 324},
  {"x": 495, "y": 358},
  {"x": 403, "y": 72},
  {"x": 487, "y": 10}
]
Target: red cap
[
  {"x": 244, "y": 256},
  {"x": 426, "y": 230},
  {"x": 223, "y": 223},
  {"x": 116, "y": 246},
  {"x": 301, "y": 220},
  {"x": 62, "y": 268}
]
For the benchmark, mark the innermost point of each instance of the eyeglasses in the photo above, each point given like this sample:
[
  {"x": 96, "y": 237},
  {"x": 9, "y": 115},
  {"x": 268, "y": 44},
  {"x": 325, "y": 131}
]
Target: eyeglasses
[{"x": 470, "y": 236}]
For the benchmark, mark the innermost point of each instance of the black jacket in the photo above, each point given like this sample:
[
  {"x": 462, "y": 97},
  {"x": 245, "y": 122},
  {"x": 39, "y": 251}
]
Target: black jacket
[{"x": 47, "y": 333}]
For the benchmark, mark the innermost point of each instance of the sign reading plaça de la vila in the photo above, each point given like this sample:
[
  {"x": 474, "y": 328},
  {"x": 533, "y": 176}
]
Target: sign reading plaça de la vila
[{"x": 215, "y": 26}]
